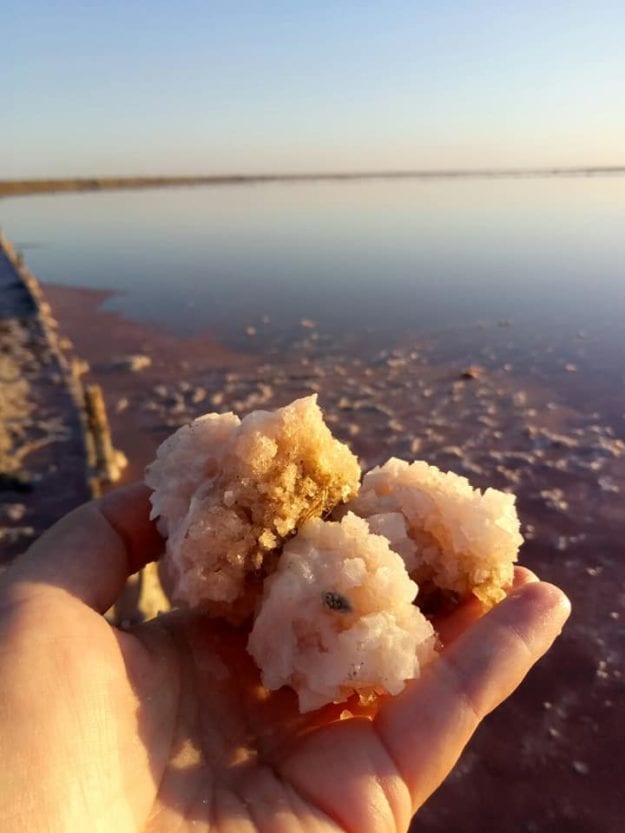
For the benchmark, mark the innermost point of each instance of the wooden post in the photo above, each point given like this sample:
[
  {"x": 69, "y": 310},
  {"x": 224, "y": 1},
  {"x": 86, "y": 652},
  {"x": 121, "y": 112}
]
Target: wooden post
[{"x": 109, "y": 463}]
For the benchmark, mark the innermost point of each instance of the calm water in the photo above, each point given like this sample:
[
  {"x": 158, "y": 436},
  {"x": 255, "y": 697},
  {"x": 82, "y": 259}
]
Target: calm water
[{"x": 397, "y": 256}]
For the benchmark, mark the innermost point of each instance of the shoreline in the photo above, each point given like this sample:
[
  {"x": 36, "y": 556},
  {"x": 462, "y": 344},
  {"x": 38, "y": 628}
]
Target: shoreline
[
  {"x": 55, "y": 446},
  {"x": 142, "y": 357},
  {"x": 29, "y": 187}
]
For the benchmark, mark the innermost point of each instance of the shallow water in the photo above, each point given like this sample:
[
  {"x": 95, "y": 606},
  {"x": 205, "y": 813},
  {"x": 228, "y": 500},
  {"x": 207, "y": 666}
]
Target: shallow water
[{"x": 409, "y": 256}]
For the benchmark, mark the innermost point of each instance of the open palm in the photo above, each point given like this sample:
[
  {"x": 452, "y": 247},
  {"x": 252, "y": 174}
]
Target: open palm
[{"x": 167, "y": 728}]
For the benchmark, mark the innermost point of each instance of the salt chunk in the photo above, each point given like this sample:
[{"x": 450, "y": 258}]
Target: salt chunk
[
  {"x": 228, "y": 492},
  {"x": 463, "y": 540},
  {"x": 342, "y": 629}
]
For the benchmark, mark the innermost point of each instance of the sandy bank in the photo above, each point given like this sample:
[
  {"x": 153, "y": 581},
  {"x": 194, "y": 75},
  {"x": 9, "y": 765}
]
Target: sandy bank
[{"x": 47, "y": 446}]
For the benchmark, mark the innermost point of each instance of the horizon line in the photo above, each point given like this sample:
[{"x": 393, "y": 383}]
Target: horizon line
[{"x": 24, "y": 186}]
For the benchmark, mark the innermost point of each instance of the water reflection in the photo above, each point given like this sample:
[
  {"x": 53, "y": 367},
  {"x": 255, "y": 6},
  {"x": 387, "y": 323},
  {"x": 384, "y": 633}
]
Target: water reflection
[{"x": 407, "y": 255}]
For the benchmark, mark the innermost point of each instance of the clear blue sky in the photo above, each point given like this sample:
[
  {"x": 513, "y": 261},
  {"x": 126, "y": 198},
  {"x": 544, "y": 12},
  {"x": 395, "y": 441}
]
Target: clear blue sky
[{"x": 147, "y": 86}]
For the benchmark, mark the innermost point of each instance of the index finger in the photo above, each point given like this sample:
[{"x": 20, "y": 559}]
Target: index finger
[{"x": 92, "y": 551}]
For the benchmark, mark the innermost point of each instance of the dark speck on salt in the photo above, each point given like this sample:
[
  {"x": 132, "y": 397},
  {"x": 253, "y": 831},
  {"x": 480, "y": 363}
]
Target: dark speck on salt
[{"x": 334, "y": 601}]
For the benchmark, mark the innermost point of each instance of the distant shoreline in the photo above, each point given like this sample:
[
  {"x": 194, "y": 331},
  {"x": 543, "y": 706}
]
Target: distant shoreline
[{"x": 25, "y": 187}]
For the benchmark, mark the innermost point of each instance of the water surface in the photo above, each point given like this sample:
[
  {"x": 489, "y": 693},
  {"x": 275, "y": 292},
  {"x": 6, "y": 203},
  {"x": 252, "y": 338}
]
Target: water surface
[{"x": 412, "y": 256}]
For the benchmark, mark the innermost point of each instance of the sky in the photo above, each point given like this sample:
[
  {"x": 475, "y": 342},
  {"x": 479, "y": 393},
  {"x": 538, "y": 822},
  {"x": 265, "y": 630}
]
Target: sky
[{"x": 122, "y": 87}]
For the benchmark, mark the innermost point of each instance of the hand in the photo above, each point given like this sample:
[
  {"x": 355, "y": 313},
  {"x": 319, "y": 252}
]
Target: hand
[{"x": 166, "y": 728}]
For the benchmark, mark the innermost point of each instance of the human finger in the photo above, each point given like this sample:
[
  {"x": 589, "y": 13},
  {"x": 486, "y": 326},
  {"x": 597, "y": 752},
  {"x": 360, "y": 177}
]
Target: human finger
[
  {"x": 523, "y": 576},
  {"x": 427, "y": 726},
  {"x": 452, "y": 625},
  {"x": 92, "y": 550}
]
